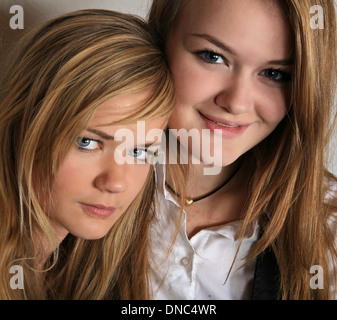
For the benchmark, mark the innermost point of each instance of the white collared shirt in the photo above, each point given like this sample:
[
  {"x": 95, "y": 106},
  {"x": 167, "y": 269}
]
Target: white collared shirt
[{"x": 197, "y": 268}]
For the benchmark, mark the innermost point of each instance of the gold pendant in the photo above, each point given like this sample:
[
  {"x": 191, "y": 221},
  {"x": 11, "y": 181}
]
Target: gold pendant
[{"x": 189, "y": 202}]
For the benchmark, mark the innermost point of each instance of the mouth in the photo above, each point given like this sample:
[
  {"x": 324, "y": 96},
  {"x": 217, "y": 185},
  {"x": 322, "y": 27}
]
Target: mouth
[
  {"x": 228, "y": 128},
  {"x": 223, "y": 123},
  {"x": 98, "y": 210}
]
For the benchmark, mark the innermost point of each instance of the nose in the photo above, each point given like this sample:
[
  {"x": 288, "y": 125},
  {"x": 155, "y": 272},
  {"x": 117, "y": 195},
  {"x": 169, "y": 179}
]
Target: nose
[
  {"x": 236, "y": 97},
  {"x": 112, "y": 178}
]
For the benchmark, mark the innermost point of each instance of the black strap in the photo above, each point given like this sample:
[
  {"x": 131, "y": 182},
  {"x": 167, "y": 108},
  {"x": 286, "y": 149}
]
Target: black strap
[{"x": 266, "y": 284}]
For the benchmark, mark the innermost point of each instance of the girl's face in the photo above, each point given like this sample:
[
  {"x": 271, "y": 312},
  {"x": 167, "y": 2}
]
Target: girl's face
[
  {"x": 92, "y": 190},
  {"x": 232, "y": 66}
]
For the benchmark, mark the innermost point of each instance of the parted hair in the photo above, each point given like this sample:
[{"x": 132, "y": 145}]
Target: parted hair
[
  {"x": 289, "y": 188},
  {"x": 60, "y": 74}
]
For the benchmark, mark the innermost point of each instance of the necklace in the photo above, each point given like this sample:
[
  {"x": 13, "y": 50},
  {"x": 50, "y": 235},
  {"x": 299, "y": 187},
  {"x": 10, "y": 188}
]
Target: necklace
[{"x": 189, "y": 202}]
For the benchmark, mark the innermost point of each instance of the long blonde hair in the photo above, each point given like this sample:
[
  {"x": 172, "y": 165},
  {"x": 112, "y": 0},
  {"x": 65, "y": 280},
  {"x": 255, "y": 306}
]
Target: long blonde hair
[
  {"x": 288, "y": 175},
  {"x": 61, "y": 73}
]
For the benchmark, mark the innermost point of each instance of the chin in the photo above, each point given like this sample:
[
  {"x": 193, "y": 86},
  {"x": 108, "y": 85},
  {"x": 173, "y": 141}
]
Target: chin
[
  {"x": 223, "y": 161},
  {"x": 90, "y": 234},
  {"x": 93, "y": 237}
]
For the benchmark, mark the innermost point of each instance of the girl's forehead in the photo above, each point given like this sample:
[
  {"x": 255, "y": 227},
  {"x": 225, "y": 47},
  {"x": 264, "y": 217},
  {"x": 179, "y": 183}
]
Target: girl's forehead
[
  {"x": 119, "y": 107},
  {"x": 215, "y": 13},
  {"x": 257, "y": 29}
]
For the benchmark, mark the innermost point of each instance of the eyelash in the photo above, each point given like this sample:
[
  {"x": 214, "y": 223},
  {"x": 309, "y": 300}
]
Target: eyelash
[
  {"x": 285, "y": 76},
  {"x": 84, "y": 149},
  {"x": 149, "y": 153},
  {"x": 201, "y": 54}
]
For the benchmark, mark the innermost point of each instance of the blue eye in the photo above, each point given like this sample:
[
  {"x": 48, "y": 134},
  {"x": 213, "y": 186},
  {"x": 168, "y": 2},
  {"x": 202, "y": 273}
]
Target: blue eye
[
  {"x": 141, "y": 154},
  {"x": 87, "y": 144},
  {"x": 210, "y": 56},
  {"x": 277, "y": 75},
  {"x": 138, "y": 154}
]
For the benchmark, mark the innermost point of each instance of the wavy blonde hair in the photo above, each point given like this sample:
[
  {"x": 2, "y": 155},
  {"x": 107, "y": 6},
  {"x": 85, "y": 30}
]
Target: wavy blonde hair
[
  {"x": 61, "y": 73},
  {"x": 288, "y": 174}
]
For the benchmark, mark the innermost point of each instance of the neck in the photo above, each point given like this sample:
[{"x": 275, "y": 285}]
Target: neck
[
  {"x": 202, "y": 178},
  {"x": 224, "y": 206},
  {"x": 198, "y": 183}
]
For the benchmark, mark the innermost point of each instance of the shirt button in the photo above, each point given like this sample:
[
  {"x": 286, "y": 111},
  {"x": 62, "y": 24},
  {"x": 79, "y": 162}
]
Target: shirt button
[{"x": 185, "y": 261}]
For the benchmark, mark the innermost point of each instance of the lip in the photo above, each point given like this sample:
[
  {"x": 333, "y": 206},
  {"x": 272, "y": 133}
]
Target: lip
[
  {"x": 98, "y": 210},
  {"x": 229, "y": 129}
]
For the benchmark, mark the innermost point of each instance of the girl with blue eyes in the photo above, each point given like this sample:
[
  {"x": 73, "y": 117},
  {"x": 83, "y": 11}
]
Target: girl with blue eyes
[
  {"x": 72, "y": 218},
  {"x": 255, "y": 73}
]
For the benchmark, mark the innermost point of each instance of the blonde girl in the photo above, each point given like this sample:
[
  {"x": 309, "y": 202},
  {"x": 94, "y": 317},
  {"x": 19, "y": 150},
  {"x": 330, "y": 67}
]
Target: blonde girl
[
  {"x": 72, "y": 218},
  {"x": 258, "y": 72}
]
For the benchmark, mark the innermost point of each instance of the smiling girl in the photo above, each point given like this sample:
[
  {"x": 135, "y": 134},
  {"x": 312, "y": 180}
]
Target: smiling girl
[
  {"x": 256, "y": 74},
  {"x": 73, "y": 218}
]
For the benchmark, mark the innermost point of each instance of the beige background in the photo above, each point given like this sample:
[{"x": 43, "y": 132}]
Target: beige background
[{"x": 38, "y": 11}]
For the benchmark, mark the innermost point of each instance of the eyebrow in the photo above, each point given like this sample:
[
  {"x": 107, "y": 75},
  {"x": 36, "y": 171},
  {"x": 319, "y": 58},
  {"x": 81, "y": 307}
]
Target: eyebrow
[
  {"x": 102, "y": 134},
  {"x": 216, "y": 42},
  {"x": 224, "y": 47},
  {"x": 106, "y": 136}
]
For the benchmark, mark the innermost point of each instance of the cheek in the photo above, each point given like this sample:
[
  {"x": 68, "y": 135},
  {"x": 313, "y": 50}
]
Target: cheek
[
  {"x": 175, "y": 119},
  {"x": 183, "y": 118},
  {"x": 68, "y": 176},
  {"x": 71, "y": 179},
  {"x": 273, "y": 109},
  {"x": 194, "y": 88},
  {"x": 193, "y": 84},
  {"x": 137, "y": 175}
]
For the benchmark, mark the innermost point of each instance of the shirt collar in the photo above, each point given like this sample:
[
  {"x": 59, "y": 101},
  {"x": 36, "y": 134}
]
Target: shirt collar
[
  {"x": 230, "y": 230},
  {"x": 160, "y": 172}
]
